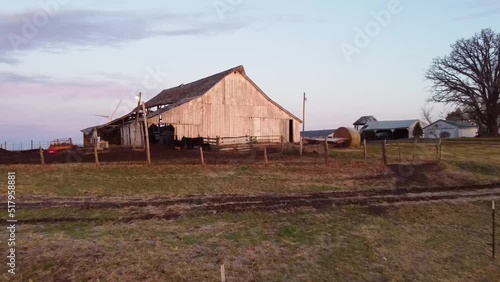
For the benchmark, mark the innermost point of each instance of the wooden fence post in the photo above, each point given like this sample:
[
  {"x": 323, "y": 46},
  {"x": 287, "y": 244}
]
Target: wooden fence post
[
  {"x": 281, "y": 143},
  {"x": 96, "y": 155},
  {"x": 202, "y": 157},
  {"x": 250, "y": 141},
  {"x": 326, "y": 150},
  {"x": 493, "y": 245},
  {"x": 217, "y": 143},
  {"x": 222, "y": 273},
  {"x": 365, "y": 149},
  {"x": 439, "y": 150},
  {"x": 42, "y": 159},
  {"x": 146, "y": 130},
  {"x": 399, "y": 152},
  {"x": 32, "y": 145},
  {"x": 384, "y": 152},
  {"x": 414, "y": 151},
  {"x": 265, "y": 154},
  {"x": 437, "y": 153}
]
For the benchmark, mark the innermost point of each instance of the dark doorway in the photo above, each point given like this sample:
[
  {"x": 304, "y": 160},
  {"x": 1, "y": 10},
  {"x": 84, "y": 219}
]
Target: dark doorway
[
  {"x": 290, "y": 131},
  {"x": 162, "y": 134}
]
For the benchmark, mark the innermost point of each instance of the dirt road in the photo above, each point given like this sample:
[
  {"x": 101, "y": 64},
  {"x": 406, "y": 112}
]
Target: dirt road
[{"x": 174, "y": 207}]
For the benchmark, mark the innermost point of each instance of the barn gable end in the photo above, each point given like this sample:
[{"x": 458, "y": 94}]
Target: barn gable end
[{"x": 234, "y": 106}]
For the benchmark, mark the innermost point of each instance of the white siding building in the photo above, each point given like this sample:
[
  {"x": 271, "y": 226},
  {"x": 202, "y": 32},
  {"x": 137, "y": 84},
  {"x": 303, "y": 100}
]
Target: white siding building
[{"x": 450, "y": 129}]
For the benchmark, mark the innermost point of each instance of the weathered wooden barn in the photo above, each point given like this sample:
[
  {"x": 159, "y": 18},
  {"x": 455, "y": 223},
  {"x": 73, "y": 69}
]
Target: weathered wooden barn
[
  {"x": 227, "y": 104},
  {"x": 450, "y": 129}
]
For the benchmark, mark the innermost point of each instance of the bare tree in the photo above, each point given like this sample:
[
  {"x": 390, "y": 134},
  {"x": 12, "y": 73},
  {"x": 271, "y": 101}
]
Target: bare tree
[
  {"x": 470, "y": 77},
  {"x": 427, "y": 113}
]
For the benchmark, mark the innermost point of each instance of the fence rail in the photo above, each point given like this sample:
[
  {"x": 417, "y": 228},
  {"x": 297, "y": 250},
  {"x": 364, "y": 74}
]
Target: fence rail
[
  {"x": 459, "y": 141},
  {"x": 242, "y": 143}
]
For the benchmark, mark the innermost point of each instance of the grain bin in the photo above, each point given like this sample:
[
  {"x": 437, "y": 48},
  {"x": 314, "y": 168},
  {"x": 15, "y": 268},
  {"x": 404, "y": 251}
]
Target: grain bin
[{"x": 351, "y": 134}]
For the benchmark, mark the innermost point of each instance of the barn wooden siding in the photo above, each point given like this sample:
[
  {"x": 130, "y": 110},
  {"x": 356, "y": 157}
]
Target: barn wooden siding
[
  {"x": 233, "y": 107},
  {"x": 127, "y": 134}
]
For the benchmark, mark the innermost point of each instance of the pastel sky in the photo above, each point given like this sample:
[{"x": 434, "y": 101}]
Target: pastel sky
[{"x": 64, "y": 61}]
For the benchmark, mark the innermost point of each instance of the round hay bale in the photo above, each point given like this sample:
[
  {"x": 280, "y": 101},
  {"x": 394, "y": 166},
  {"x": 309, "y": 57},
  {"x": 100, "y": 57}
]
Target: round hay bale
[{"x": 352, "y": 135}]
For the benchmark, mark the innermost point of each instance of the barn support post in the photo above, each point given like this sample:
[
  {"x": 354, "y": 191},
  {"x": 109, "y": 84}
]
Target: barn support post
[
  {"x": 42, "y": 159},
  {"x": 384, "y": 152},
  {"x": 146, "y": 130},
  {"x": 134, "y": 146},
  {"x": 326, "y": 150},
  {"x": 265, "y": 154},
  {"x": 202, "y": 157},
  {"x": 303, "y": 123},
  {"x": 365, "y": 150}
]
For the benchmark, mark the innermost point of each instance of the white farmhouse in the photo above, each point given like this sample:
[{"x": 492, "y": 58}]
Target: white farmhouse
[{"x": 450, "y": 129}]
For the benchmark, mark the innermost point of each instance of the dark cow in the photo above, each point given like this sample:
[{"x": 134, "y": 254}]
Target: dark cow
[{"x": 190, "y": 143}]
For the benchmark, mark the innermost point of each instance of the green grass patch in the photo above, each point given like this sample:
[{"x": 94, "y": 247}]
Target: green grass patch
[{"x": 425, "y": 242}]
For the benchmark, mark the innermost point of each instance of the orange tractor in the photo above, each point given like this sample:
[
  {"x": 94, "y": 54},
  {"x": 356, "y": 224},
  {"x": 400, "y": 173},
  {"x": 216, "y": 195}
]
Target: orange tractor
[{"x": 61, "y": 145}]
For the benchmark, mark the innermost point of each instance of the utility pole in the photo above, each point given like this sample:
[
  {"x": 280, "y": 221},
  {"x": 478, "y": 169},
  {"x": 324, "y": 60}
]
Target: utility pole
[
  {"x": 146, "y": 130},
  {"x": 137, "y": 120},
  {"x": 303, "y": 123}
]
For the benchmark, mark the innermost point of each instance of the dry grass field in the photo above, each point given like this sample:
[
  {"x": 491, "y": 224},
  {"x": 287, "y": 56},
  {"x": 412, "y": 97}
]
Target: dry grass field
[{"x": 290, "y": 220}]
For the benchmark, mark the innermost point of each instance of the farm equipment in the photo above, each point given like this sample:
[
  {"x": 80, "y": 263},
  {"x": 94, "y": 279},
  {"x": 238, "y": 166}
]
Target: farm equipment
[{"x": 61, "y": 145}]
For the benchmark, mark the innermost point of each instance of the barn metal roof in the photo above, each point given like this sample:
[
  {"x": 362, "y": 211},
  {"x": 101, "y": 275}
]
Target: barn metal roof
[
  {"x": 364, "y": 120},
  {"x": 457, "y": 123},
  {"x": 390, "y": 124},
  {"x": 318, "y": 133},
  {"x": 186, "y": 92}
]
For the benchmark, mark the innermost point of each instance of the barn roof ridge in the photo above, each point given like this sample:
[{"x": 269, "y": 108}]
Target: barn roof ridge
[
  {"x": 364, "y": 119},
  {"x": 188, "y": 91},
  {"x": 177, "y": 96},
  {"x": 390, "y": 124}
]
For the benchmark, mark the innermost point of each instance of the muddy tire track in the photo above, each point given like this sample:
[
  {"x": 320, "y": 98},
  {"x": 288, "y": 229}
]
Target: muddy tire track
[
  {"x": 175, "y": 208},
  {"x": 122, "y": 202}
]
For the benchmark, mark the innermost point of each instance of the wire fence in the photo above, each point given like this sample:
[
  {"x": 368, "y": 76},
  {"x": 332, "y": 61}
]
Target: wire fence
[{"x": 26, "y": 146}]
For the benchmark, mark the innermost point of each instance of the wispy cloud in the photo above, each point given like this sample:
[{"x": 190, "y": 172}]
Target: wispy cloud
[
  {"x": 483, "y": 8},
  {"x": 90, "y": 80},
  {"x": 88, "y": 28}
]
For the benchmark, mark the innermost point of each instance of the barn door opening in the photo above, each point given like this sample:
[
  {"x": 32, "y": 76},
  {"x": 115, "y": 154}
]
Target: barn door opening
[{"x": 290, "y": 131}]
